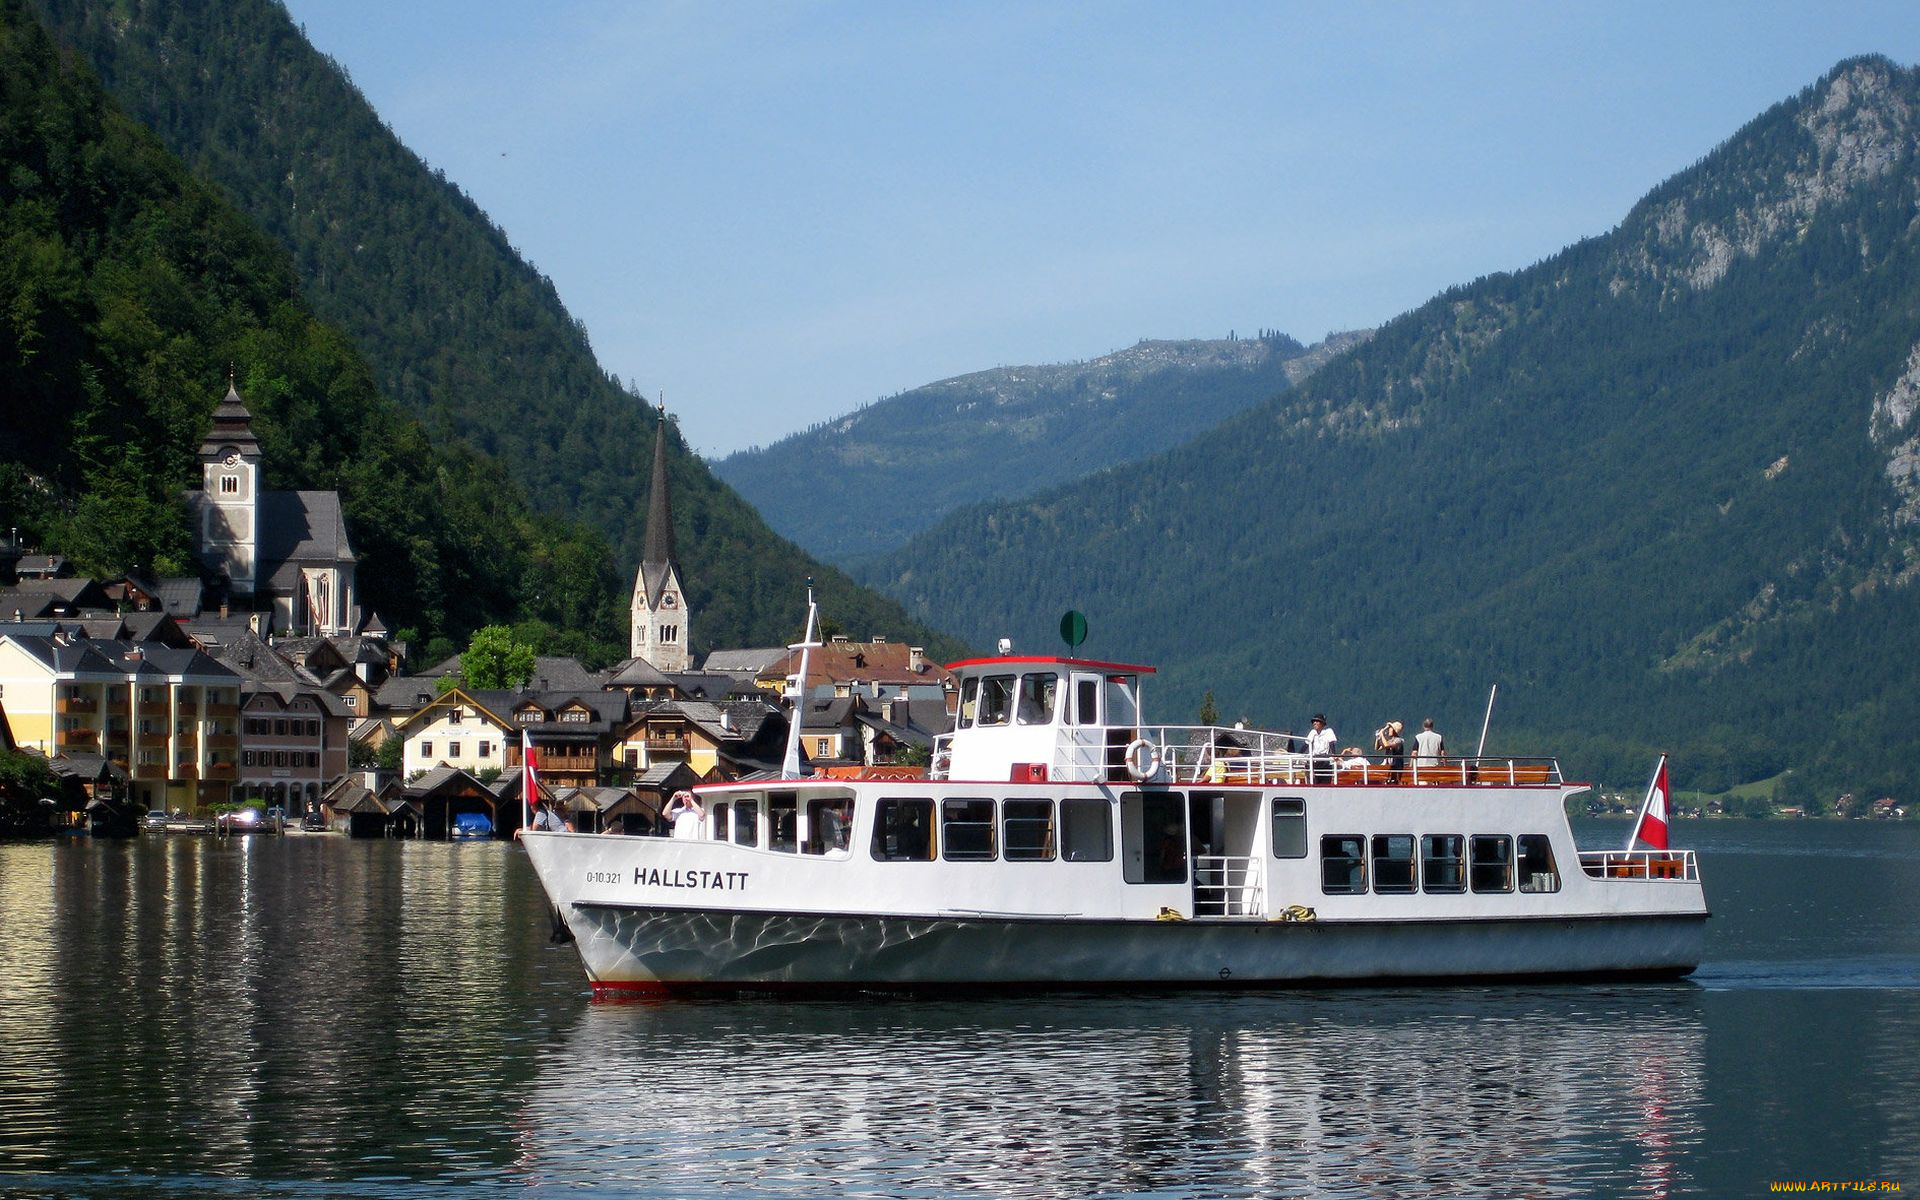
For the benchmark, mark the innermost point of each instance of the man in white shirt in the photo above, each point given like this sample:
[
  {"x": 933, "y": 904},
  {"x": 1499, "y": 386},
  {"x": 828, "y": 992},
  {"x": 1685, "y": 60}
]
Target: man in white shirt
[{"x": 1321, "y": 743}]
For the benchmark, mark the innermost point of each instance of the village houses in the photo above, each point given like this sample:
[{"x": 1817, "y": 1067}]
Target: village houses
[{"x": 265, "y": 680}]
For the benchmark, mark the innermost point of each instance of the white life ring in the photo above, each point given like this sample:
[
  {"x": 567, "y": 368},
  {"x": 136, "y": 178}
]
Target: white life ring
[{"x": 1143, "y": 760}]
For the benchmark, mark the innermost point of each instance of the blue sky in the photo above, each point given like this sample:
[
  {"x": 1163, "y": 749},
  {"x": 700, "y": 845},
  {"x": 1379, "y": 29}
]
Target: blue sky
[{"x": 775, "y": 213}]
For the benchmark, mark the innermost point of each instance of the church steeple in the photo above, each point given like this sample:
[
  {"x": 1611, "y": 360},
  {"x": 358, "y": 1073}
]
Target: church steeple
[
  {"x": 660, "y": 617},
  {"x": 229, "y": 525},
  {"x": 659, "y": 547}
]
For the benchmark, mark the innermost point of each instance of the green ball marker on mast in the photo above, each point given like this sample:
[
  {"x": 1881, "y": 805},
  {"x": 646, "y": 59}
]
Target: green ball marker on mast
[{"x": 1073, "y": 629}]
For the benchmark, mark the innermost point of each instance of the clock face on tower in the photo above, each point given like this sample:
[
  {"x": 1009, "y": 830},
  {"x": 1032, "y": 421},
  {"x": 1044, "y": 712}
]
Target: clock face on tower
[
  {"x": 233, "y": 460},
  {"x": 667, "y": 601}
]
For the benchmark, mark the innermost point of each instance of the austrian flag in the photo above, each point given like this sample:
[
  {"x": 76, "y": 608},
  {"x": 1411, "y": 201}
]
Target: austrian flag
[
  {"x": 1651, "y": 828},
  {"x": 529, "y": 785}
]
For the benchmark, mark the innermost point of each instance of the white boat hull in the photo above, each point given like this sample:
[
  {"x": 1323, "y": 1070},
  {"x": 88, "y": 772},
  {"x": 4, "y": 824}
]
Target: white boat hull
[{"x": 655, "y": 949}]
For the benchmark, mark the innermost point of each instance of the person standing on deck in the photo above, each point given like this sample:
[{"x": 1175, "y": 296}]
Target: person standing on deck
[
  {"x": 685, "y": 814},
  {"x": 1429, "y": 748},
  {"x": 1387, "y": 740},
  {"x": 1321, "y": 743}
]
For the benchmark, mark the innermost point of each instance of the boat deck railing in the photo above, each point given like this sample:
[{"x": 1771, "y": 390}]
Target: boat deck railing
[
  {"x": 1208, "y": 754},
  {"x": 1652, "y": 865},
  {"x": 1227, "y": 885},
  {"x": 1211, "y": 754}
]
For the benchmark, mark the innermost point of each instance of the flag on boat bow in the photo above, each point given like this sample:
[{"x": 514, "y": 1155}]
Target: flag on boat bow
[
  {"x": 527, "y": 781},
  {"x": 1651, "y": 828}
]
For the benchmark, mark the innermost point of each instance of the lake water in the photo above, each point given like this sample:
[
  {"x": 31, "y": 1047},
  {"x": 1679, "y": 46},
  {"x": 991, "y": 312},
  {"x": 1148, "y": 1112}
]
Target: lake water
[{"x": 181, "y": 1017}]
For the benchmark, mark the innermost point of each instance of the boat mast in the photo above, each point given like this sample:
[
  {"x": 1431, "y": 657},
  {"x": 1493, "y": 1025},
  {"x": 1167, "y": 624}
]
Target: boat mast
[{"x": 797, "y": 687}]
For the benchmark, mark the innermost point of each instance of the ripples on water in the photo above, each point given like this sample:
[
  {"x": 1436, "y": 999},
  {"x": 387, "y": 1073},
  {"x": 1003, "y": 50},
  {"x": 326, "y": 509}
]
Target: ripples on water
[{"x": 183, "y": 1017}]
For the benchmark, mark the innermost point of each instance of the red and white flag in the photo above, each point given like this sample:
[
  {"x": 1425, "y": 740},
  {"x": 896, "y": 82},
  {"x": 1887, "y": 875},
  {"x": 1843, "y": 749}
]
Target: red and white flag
[
  {"x": 1651, "y": 828},
  {"x": 528, "y": 783}
]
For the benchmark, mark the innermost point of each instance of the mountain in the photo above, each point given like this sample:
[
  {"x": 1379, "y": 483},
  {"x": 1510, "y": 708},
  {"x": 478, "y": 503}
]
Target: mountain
[
  {"x": 458, "y": 329},
  {"x": 1663, "y": 488},
  {"x": 862, "y": 484},
  {"x": 128, "y": 287}
]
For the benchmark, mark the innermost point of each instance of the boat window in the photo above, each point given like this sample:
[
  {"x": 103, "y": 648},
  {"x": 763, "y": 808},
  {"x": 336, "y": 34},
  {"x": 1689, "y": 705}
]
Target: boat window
[
  {"x": 1440, "y": 863},
  {"x": 1537, "y": 873},
  {"x": 1343, "y": 864},
  {"x": 1122, "y": 708},
  {"x": 829, "y": 826},
  {"x": 966, "y": 830},
  {"x": 1086, "y": 831},
  {"x": 746, "y": 822},
  {"x": 1492, "y": 867},
  {"x": 1392, "y": 864},
  {"x": 1086, "y": 692},
  {"x": 783, "y": 820},
  {"x": 969, "y": 702},
  {"x": 996, "y": 699},
  {"x": 720, "y": 827},
  {"x": 1289, "y": 827},
  {"x": 1036, "y": 698},
  {"x": 1026, "y": 830},
  {"x": 903, "y": 830},
  {"x": 1153, "y": 836}
]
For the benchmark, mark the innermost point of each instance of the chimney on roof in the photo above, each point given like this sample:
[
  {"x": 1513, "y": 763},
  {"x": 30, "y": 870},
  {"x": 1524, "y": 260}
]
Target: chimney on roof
[
  {"x": 726, "y": 720},
  {"x": 916, "y": 659},
  {"x": 879, "y": 639},
  {"x": 134, "y": 654}
]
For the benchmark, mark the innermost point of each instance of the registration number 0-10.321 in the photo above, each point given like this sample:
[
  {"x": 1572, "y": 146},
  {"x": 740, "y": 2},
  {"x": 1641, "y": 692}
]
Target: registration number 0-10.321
[{"x": 604, "y": 877}]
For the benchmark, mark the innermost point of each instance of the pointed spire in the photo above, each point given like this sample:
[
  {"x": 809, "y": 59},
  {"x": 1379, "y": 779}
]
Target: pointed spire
[
  {"x": 232, "y": 426},
  {"x": 659, "y": 548}
]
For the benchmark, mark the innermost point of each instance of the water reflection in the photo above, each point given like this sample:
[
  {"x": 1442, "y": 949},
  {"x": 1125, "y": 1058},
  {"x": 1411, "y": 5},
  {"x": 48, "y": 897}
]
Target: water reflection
[
  {"x": 193, "y": 1008},
  {"x": 1528, "y": 1092},
  {"x": 187, "y": 1017}
]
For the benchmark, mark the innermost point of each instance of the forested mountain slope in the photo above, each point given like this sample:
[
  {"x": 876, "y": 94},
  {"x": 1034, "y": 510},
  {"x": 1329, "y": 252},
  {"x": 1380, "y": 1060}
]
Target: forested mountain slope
[
  {"x": 1663, "y": 488},
  {"x": 457, "y": 327},
  {"x": 862, "y": 484},
  {"x": 127, "y": 288}
]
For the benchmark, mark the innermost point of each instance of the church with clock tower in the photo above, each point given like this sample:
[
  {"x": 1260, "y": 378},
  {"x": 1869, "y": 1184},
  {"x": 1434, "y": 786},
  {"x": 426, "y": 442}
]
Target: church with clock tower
[
  {"x": 279, "y": 552},
  {"x": 660, "y": 617}
]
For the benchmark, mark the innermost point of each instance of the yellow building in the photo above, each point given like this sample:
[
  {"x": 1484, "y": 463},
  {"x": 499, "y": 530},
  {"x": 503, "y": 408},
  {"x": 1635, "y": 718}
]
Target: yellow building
[
  {"x": 715, "y": 741},
  {"x": 169, "y": 717}
]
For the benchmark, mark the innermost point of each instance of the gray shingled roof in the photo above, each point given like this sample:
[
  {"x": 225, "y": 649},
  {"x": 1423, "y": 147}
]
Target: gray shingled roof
[
  {"x": 296, "y": 529},
  {"x": 747, "y": 663},
  {"x": 563, "y": 675},
  {"x": 180, "y": 597},
  {"x": 407, "y": 692},
  {"x": 638, "y": 672},
  {"x": 120, "y": 658}
]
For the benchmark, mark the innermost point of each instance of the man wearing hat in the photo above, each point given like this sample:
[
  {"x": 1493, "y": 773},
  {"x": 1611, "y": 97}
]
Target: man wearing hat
[{"x": 1322, "y": 741}]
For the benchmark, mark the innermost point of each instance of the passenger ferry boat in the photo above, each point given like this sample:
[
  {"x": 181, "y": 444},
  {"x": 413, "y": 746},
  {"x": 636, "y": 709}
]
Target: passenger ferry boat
[{"x": 1059, "y": 842}]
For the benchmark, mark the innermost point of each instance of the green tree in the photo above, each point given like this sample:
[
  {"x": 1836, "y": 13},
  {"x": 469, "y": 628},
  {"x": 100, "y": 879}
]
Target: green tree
[
  {"x": 24, "y": 780},
  {"x": 494, "y": 659},
  {"x": 1209, "y": 713}
]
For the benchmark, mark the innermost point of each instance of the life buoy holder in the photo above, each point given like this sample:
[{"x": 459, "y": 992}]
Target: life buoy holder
[{"x": 1143, "y": 760}]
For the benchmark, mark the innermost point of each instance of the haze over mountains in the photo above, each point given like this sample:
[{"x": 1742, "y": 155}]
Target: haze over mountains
[
  {"x": 1661, "y": 487},
  {"x": 853, "y": 487},
  {"x": 458, "y": 329}
]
